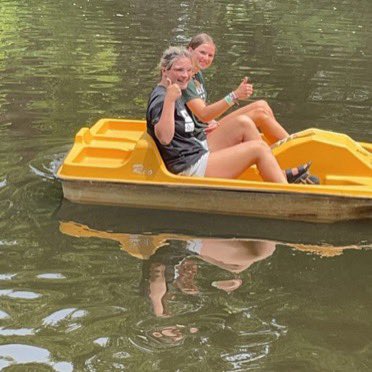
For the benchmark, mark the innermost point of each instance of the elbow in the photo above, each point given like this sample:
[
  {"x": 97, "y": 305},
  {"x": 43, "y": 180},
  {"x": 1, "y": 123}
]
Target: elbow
[
  {"x": 164, "y": 141},
  {"x": 164, "y": 138},
  {"x": 208, "y": 118},
  {"x": 205, "y": 117}
]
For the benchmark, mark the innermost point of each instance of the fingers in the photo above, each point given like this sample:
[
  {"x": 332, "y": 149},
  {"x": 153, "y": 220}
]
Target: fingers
[
  {"x": 173, "y": 90},
  {"x": 244, "y": 82},
  {"x": 169, "y": 83},
  {"x": 248, "y": 86},
  {"x": 245, "y": 89},
  {"x": 176, "y": 88}
]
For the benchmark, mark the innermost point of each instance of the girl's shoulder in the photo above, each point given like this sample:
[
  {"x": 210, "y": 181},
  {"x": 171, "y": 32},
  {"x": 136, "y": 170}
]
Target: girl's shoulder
[
  {"x": 199, "y": 77},
  {"x": 196, "y": 81},
  {"x": 190, "y": 87}
]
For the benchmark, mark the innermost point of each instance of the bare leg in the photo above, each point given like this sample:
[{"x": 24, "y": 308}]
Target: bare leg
[
  {"x": 232, "y": 161},
  {"x": 262, "y": 115},
  {"x": 272, "y": 130},
  {"x": 233, "y": 131},
  {"x": 260, "y": 104}
]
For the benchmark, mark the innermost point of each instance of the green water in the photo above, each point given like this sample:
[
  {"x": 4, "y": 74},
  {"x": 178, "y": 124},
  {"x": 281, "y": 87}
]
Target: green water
[{"x": 88, "y": 288}]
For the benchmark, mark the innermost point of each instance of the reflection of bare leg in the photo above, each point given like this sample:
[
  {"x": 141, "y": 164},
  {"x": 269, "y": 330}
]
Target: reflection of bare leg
[
  {"x": 158, "y": 288},
  {"x": 235, "y": 255},
  {"x": 229, "y": 285},
  {"x": 170, "y": 334},
  {"x": 173, "y": 334}
]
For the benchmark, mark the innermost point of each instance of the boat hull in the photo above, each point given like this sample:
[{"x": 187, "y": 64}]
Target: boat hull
[
  {"x": 116, "y": 162},
  {"x": 129, "y": 220},
  {"x": 251, "y": 203}
]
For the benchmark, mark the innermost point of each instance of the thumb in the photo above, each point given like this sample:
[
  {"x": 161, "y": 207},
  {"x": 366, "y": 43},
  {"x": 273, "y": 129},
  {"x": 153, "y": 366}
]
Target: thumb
[{"x": 245, "y": 80}]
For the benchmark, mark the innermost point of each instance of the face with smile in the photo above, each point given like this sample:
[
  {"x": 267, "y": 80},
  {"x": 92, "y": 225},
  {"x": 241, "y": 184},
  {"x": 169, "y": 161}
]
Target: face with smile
[
  {"x": 203, "y": 55},
  {"x": 180, "y": 72}
]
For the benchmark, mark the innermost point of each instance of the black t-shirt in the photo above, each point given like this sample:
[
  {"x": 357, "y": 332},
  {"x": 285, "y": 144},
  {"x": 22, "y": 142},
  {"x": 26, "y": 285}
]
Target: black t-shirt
[{"x": 184, "y": 149}]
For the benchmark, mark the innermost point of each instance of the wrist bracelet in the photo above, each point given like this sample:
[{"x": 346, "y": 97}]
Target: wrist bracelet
[
  {"x": 235, "y": 96},
  {"x": 229, "y": 99}
]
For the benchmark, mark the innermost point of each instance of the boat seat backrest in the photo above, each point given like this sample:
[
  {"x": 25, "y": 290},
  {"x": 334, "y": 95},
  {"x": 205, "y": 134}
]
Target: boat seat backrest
[{"x": 146, "y": 159}]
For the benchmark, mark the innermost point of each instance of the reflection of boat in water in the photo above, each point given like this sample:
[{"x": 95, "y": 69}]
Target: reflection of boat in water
[
  {"x": 117, "y": 163},
  {"x": 138, "y": 245},
  {"x": 221, "y": 250},
  {"x": 155, "y": 222},
  {"x": 171, "y": 261},
  {"x": 143, "y": 246},
  {"x": 191, "y": 287}
]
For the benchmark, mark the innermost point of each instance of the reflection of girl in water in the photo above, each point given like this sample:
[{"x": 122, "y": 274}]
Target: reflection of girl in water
[
  {"x": 160, "y": 272},
  {"x": 174, "y": 265},
  {"x": 173, "y": 334}
]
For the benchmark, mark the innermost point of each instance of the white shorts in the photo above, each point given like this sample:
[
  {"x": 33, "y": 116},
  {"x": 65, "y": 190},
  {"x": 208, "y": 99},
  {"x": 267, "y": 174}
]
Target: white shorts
[
  {"x": 198, "y": 169},
  {"x": 203, "y": 143}
]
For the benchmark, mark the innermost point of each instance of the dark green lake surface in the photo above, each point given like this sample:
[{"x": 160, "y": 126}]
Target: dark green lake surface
[{"x": 89, "y": 288}]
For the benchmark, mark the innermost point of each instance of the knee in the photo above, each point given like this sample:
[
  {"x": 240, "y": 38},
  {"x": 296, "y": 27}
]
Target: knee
[
  {"x": 265, "y": 147},
  {"x": 261, "y": 113},
  {"x": 263, "y": 105},
  {"x": 244, "y": 122},
  {"x": 261, "y": 147}
]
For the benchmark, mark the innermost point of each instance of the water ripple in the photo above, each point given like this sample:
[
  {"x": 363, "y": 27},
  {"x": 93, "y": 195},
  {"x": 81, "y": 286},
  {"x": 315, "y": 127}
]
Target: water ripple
[
  {"x": 65, "y": 320},
  {"x": 20, "y": 354},
  {"x": 59, "y": 316},
  {"x": 52, "y": 276},
  {"x": 102, "y": 341},
  {"x": 154, "y": 338},
  {"x": 6, "y": 276},
  {"x": 47, "y": 165},
  {"x": 3, "y": 182},
  {"x": 8, "y": 243},
  {"x": 17, "y": 332},
  {"x": 24, "y": 295},
  {"x": 73, "y": 300},
  {"x": 4, "y": 315}
]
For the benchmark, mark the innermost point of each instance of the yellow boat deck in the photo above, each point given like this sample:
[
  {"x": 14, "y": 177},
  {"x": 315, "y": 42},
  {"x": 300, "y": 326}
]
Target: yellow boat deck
[{"x": 115, "y": 150}]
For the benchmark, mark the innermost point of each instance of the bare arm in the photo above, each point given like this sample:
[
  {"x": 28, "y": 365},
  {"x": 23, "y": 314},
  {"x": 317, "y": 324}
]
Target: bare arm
[
  {"x": 206, "y": 112},
  {"x": 164, "y": 128}
]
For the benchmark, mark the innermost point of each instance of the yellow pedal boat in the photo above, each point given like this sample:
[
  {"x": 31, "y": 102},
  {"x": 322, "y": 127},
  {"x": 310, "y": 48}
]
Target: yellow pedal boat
[{"x": 115, "y": 162}]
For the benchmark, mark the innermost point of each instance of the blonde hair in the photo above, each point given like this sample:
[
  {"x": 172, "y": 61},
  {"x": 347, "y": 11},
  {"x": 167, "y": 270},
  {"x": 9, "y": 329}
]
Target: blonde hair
[{"x": 171, "y": 54}]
